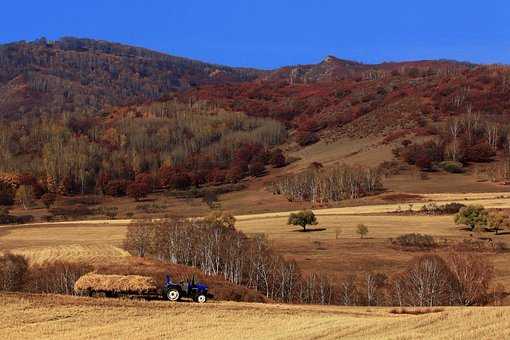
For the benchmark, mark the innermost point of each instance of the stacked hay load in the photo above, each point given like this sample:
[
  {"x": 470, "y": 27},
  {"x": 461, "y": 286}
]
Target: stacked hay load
[{"x": 127, "y": 284}]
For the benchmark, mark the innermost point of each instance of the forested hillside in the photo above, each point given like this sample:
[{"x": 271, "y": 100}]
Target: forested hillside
[
  {"x": 163, "y": 144},
  {"x": 84, "y": 75},
  {"x": 83, "y": 116},
  {"x": 385, "y": 98}
]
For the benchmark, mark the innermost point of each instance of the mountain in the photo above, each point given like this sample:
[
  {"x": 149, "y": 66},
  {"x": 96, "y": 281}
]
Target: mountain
[
  {"x": 332, "y": 68},
  {"x": 87, "y": 75},
  {"x": 84, "y": 115},
  {"x": 336, "y": 95}
]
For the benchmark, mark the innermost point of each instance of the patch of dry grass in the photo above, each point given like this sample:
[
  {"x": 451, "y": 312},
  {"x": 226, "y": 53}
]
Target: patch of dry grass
[{"x": 93, "y": 254}]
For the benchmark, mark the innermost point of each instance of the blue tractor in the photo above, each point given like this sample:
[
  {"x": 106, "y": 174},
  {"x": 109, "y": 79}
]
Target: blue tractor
[{"x": 188, "y": 290}]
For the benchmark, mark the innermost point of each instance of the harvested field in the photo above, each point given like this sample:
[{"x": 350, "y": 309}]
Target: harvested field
[
  {"x": 488, "y": 200},
  {"x": 115, "y": 283},
  {"x": 334, "y": 247},
  {"x": 93, "y": 254},
  {"x": 57, "y": 317}
]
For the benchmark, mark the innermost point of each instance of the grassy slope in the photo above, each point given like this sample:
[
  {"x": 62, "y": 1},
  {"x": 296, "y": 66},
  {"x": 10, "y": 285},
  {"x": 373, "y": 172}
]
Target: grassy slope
[{"x": 51, "y": 317}]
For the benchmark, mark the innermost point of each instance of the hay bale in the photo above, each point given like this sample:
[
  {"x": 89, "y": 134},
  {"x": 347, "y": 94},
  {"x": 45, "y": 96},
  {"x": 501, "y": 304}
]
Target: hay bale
[{"x": 115, "y": 283}]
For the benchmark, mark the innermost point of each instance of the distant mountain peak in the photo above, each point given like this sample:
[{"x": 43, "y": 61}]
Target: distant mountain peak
[{"x": 330, "y": 59}]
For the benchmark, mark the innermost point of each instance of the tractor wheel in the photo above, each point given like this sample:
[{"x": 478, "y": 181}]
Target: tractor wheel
[
  {"x": 173, "y": 295},
  {"x": 201, "y": 298}
]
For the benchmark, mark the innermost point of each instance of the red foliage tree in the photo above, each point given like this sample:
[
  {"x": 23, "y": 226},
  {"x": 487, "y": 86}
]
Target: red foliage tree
[
  {"x": 479, "y": 153},
  {"x": 48, "y": 199},
  {"x": 305, "y": 138},
  {"x": 116, "y": 188},
  {"x": 174, "y": 178},
  {"x": 235, "y": 173},
  {"x": 146, "y": 179},
  {"x": 424, "y": 162},
  {"x": 277, "y": 159},
  {"x": 256, "y": 168},
  {"x": 216, "y": 176},
  {"x": 137, "y": 190}
]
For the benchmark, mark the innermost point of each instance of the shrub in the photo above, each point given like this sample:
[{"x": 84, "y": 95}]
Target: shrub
[
  {"x": 256, "y": 169},
  {"x": 415, "y": 241},
  {"x": 210, "y": 198},
  {"x": 305, "y": 138},
  {"x": 6, "y": 194},
  {"x": 137, "y": 190},
  {"x": 48, "y": 199},
  {"x": 6, "y": 218},
  {"x": 150, "y": 208},
  {"x": 13, "y": 269},
  {"x": 110, "y": 212},
  {"x": 277, "y": 159},
  {"x": 468, "y": 245},
  {"x": 116, "y": 188},
  {"x": 55, "y": 278},
  {"x": 452, "y": 167},
  {"x": 479, "y": 153},
  {"x": 200, "y": 192},
  {"x": 389, "y": 168},
  {"x": 83, "y": 200},
  {"x": 71, "y": 212},
  {"x": 444, "y": 209},
  {"x": 423, "y": 155},
  {"x": 24, "y": 219},
  {"x": 473, "y": 216},
  {"x": 452, "y": 208},
  {"x": 174, "y": 178},
  {"x": 25, "y": 196}
]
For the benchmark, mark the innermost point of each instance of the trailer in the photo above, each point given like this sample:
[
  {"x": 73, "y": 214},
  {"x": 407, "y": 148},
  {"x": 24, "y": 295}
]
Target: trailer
[{"x": 134, "y": 286}]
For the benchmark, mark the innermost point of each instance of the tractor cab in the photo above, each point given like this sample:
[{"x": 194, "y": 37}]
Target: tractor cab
[{"x": 185, "y": 289}]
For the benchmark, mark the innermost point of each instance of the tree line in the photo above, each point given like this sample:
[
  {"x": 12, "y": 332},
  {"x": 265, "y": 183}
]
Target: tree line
[
  {"x": 319, "y": 185},
  {"x": 217, "y": 248},
  {"x": 465, "y": 138}
]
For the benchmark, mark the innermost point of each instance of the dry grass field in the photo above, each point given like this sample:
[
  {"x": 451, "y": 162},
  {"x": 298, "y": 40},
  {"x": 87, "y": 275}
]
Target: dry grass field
[
  {"x": 70, "y": 242},
  {"x": 335, "y": 249},
  {"x": 55, "y": 317},
  {"x": 339, "y": 250}
]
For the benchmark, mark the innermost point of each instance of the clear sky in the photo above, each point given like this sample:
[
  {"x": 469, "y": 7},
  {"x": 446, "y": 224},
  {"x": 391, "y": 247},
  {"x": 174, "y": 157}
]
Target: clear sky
[{"x": 267, "y": 34}]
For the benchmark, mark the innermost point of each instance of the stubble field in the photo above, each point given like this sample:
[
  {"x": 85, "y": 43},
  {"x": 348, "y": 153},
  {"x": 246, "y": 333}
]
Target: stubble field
[{"x": 50, "y": 317}]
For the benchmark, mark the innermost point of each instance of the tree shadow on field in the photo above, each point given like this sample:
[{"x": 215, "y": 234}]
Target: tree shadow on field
[{"x": 309, "y": 230}]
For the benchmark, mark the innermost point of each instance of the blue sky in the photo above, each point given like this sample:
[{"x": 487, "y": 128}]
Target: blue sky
[{"x": 269, "y": 34}]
